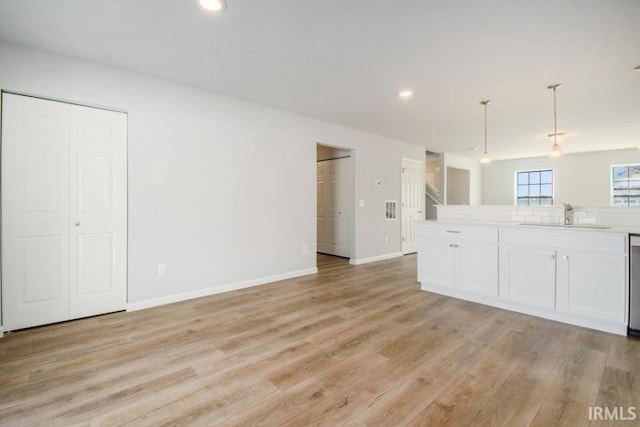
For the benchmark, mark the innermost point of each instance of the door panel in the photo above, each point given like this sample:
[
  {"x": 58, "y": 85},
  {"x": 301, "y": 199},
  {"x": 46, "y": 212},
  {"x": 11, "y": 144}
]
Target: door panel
[
  {"x": 35, "y": 212},
  {"x": 98, "y": 211},
  {"x": 42, "y": 177},
  {"x": 478, "y": 267},
  {"x": 95, "y": 264},
  {"x": 411, "y": 207},
  {"x": 592, "y": 285},
  {"x": 528, "y": 275},
  {"x": 437, "y": 263},
  {"x": 95, "y": 192},
  {"x": 334, "y": 207}
]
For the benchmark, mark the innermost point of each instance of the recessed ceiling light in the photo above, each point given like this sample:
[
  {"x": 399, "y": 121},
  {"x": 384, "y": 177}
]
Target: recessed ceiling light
[
  {"x": 407, "y": 93},
  {"x": 213, "y": 5}
]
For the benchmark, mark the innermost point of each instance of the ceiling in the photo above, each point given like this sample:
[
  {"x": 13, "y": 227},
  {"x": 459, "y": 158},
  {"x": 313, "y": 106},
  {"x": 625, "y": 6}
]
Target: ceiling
[{"x": 344, "y": 61}]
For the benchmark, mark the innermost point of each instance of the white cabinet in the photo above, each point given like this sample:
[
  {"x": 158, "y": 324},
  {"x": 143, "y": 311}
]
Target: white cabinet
[
  {"x": 581, "y": 275},
  {"x": 570, "y": 275},
  {"x": 459, "y": 257},
  {"x": 592, "y": 285},
  {"x": 528, "y": 275}
]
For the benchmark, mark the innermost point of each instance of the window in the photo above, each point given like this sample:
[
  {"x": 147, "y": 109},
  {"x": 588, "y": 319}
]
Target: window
[
  {"x": 625, "y": 185},
  {"x": 534, "y": 188}
]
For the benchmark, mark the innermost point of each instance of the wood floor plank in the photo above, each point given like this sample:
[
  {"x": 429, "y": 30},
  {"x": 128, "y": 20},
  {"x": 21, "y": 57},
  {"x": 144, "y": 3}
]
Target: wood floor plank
[
  {"x": 574, "y": 390},
  {"x": 518, "y": 399},
  {"x": 619, "y": 394},
  {"x": 457, "y": 405},
  {"x": 351, "y": 346},
  {"x": 308, "y": 394}
]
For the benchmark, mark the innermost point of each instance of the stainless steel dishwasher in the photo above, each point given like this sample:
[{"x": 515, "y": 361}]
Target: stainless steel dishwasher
[{"x": 634, "y": 286}]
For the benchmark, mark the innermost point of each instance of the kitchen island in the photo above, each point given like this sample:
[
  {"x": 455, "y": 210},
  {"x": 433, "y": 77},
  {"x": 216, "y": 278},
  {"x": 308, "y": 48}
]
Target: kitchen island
[{"x": 576, "y": 275}]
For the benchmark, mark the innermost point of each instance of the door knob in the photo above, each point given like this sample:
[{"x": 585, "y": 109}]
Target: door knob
[{"x": 77, "y": 223}]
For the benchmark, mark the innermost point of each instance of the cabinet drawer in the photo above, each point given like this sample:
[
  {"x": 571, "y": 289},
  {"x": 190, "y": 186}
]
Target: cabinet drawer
[{"x": 459, "y": 231}]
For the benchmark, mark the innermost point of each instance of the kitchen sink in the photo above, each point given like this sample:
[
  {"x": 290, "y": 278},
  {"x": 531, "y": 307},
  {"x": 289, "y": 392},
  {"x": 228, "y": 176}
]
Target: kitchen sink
[{"x": 584, "y": 226}]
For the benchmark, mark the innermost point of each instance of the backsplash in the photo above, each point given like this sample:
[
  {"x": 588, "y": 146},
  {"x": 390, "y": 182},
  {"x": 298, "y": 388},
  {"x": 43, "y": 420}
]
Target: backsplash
[
  {"x": 611, "y": 217},
  {"x": 606, "y": 216}
]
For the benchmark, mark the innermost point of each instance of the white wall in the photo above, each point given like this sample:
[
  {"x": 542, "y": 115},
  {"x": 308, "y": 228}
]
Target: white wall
[
  {"x": 475, "y": 177},
  {"x": 458, "y": 185},
  {"x": 582, "y": 179},
  {"x": 221, "y": 190}
]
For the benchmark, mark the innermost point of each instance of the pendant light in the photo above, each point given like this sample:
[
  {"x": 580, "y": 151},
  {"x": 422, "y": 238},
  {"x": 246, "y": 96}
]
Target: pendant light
[
  {"x": 556, "y": 151},
  {"x": 213, "y": 5},
  {"x": 485, "y": 156}
]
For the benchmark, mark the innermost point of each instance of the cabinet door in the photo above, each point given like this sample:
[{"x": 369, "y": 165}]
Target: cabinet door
[
  {"x": 592, "y": 285},
  {"x": 528, "y": 275},
  {"x": 437, "y": 261},
  {"x": 477, "y": 269}
]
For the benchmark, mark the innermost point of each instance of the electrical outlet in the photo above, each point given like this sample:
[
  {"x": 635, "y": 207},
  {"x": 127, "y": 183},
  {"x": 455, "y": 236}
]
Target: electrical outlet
[
  {"x": 162, "y": 269},
  {"x": 304, "y": 249},
  {"x": 386, "y": 239},
  {"x": 362, "y": 203}
]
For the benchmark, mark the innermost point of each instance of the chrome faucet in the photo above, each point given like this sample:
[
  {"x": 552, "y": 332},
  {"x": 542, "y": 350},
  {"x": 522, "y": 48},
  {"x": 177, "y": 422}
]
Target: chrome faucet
[{"x": 568, "y": 213}]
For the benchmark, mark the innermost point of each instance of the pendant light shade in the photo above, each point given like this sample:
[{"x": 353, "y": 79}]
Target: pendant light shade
[
  {"x": 485, "y": 156},
  {"x": 213, "y": 5},
  {"x": 556, "y": 151}
]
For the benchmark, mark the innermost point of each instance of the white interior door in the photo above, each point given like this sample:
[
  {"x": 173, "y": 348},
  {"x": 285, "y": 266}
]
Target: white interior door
[
  {"x": 411, "y": 208},
  {"x": 35, "y": 212},
  {"x": 98, "y": 211},
  {"x": 63, "y": 211},
  {"x": 334, "y": 207}
]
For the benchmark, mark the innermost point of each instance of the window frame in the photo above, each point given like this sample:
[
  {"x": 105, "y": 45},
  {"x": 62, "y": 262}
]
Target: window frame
[
  {"x": 611, "y": 189},
  {"x": 515, "y": 186}
]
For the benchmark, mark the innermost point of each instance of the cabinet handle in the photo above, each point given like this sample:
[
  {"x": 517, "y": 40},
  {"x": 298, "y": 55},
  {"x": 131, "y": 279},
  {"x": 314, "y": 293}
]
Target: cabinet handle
[
  {"x": 552, "y": 257},
  {"x": 454, "y": 231},
  {"x": 565, "y": 257}
]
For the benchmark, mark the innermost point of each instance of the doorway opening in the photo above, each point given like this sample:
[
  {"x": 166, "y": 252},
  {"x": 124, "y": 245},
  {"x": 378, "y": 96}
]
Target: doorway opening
[
  {"x": 334, "y": 191},
  {"x": 434, "y": 183}
]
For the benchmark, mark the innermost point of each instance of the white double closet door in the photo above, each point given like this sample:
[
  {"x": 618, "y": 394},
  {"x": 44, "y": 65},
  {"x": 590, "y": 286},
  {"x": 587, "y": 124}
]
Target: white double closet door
[{"x": 64, "y": 211}]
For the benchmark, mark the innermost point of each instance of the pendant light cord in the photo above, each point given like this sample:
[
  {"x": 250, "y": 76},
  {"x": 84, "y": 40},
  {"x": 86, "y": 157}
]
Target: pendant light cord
[
  {"x": 555, "y": 117},
  {"x": 485, "y": 103},
  {"x": 485, "y": 127}
]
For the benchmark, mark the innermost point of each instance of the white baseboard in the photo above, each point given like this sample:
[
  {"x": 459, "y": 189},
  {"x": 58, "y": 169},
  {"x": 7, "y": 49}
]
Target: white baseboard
[
  {"x": 217, "y": 289},
  {"x": 375, "y": 258},
  {"x": 617, "y": 328}
]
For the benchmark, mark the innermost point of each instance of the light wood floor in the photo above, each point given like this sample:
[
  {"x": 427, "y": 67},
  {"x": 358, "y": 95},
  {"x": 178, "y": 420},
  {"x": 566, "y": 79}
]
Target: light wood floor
[{"x": 352, "y": 346}]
